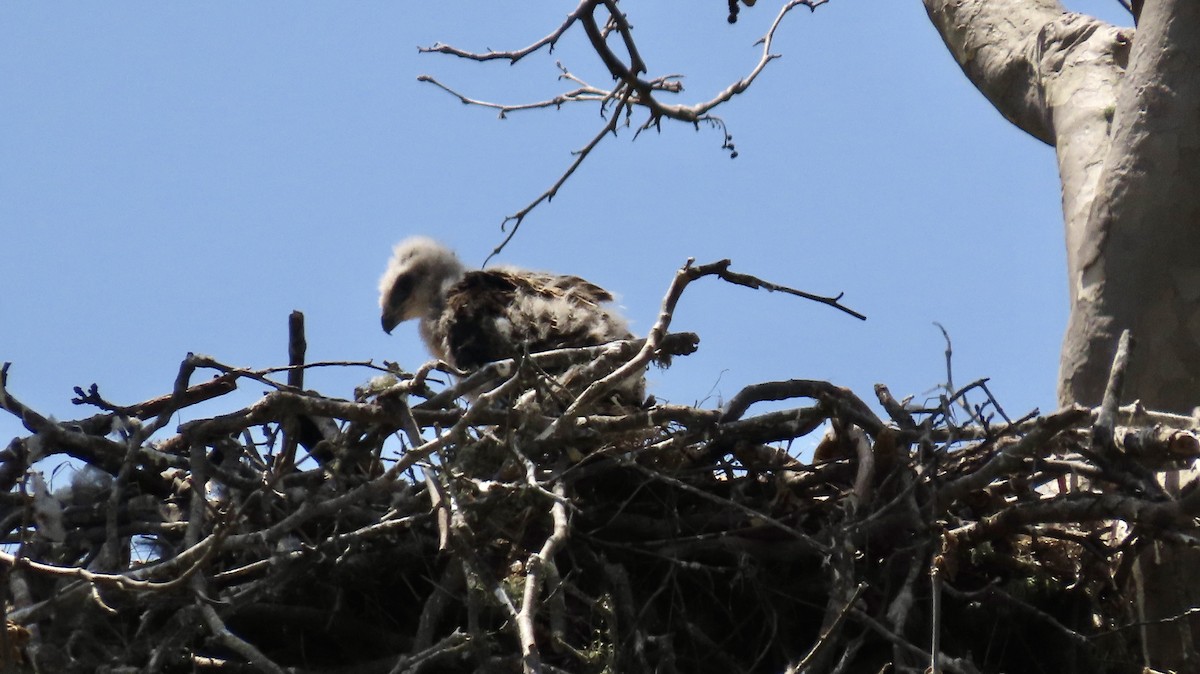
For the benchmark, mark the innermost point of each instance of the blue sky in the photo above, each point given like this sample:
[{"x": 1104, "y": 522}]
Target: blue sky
[{"x": 178, "y": 177}]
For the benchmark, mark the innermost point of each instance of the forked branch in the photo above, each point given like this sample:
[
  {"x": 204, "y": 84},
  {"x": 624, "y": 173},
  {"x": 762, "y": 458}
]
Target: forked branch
[{"x": 632, "y": 87}]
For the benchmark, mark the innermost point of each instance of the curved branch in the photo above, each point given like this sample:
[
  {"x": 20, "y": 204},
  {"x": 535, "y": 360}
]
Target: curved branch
[
  {"x": 583, "y": 94},
  {"x": 631, "y": 89},
  {"x": 645, "y": 90},
  {"x": 653, "y": 344},
  {"x": 996, "y": 43},
  {"x": 516, "y": 55},
  {"x": 519, "y": 217}
]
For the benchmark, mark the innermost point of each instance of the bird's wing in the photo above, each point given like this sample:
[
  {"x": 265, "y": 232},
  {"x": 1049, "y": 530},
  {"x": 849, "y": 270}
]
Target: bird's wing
[
  {"x": 504, "y": 312},
  {"x": 468, "y": 327},
  {"x": 571, "y": 288}
]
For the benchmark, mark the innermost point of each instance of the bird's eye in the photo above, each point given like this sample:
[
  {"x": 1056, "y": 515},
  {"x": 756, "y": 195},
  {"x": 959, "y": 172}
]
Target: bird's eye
[{"x": 401, "y": 290}]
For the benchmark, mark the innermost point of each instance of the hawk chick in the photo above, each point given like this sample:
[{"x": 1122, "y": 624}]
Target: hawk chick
[{"x": 469, "y": 318}]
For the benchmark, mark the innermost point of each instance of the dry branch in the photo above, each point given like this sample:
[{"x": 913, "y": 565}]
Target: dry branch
[
  {"x": 631, "y": 88},
  {"x": 443, "y": 526}
]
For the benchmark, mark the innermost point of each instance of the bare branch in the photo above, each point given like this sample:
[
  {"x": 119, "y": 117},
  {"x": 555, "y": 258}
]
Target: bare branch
[
  {"x": 583, "y": 94},
  {"x": 536, "y": 568},
  {"x": 513, "y": 56},
  {"x": 631, "y": 89},
  {"x": 638, "y": 363},
  {"x": 503, "y": 535},
  {"x": 580, "y": 155},
  {"x": 236, "y": 643},
  {"x": 826, "y": 632}
]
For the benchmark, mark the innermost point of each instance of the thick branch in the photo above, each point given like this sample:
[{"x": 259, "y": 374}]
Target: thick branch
[{"x": 996, "y": 44}]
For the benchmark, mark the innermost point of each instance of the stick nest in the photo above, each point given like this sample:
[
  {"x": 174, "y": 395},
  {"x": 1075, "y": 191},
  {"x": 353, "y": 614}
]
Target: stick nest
[{"x": 494, "y": 523}]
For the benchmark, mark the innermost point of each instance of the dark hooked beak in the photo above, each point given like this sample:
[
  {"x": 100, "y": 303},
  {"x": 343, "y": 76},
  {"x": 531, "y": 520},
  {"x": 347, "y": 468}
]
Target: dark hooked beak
[{"x": 388, "y": 324}]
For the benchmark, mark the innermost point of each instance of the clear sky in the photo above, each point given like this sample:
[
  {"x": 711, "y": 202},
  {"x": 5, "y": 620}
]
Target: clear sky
[{"x": 178, "y": 177}]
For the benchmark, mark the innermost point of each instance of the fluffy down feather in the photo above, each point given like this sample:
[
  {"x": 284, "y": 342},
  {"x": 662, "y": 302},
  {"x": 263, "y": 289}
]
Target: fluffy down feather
[{"x": 469, "y": 318}]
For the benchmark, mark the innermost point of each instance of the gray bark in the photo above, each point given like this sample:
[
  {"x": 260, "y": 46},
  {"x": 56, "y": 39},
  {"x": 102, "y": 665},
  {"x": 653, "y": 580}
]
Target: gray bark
[
  {"x": 1122, "y": 110},
  {"x": 1140, "y": 267}
]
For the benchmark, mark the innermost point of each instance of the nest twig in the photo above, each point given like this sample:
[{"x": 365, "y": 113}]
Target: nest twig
[{"x": 426, "y": 527}]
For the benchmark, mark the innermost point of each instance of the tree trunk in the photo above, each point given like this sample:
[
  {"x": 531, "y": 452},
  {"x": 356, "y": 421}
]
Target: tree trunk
[
  {"x": 1141, "y": 269},
  {"x": 1122, "y": 111}
]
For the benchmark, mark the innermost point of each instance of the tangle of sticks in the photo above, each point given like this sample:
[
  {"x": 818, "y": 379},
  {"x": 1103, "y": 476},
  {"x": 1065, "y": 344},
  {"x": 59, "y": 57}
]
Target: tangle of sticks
[{"x": 446, "y": 526}]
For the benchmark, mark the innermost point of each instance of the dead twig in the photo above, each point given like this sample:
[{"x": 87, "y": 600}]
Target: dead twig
[
  {"x": 630, "y": 90},
  {"x": 638, "y": 539}
]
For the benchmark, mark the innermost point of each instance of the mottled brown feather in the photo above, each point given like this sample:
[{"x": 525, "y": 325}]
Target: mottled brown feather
[{"x": 470, "y": 318}]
